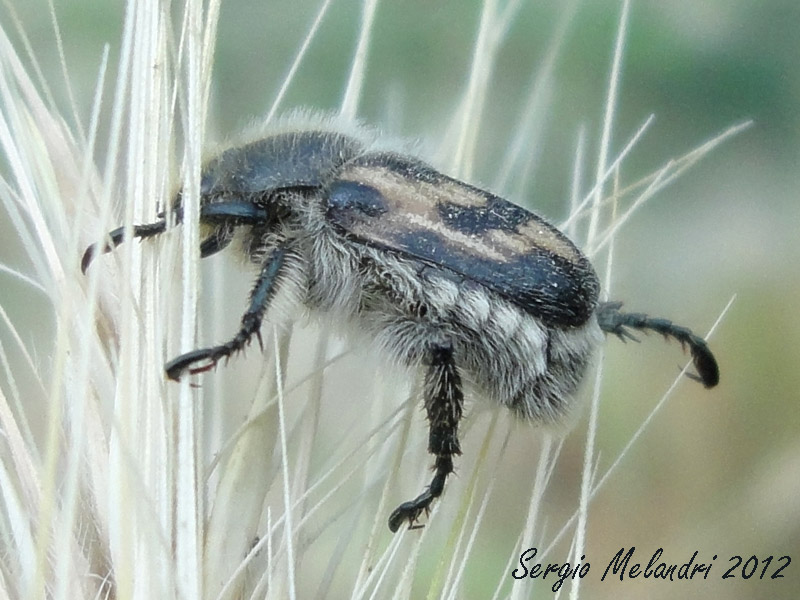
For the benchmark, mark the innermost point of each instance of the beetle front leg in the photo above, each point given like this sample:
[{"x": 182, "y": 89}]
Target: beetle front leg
[
  {"x": 217, "y": 241},
  {"x": 224, "y": 216},
  {"x": 444, "y": 404},
  {"x": 116, "y": 237},
  {"x": 260, "y": 297}
]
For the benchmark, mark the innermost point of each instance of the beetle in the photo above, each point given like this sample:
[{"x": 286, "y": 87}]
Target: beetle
[{"x": 479, "y": 292}]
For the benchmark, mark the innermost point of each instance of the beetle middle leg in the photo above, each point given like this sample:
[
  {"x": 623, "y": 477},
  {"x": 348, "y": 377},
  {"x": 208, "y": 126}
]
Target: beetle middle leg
[
  {"x": 444, "y": 404},
  {"x": 260, "y": 297}
]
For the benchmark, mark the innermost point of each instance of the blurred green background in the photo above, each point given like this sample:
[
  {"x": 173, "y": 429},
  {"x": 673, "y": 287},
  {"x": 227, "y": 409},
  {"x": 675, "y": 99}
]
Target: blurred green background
[{"x": 718, "y": 471}]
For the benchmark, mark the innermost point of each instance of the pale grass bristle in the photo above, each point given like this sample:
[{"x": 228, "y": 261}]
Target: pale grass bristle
[{"x": 265, "y": 482}]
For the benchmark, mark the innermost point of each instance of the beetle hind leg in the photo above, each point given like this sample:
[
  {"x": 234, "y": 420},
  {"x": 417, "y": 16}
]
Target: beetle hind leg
[
  {"x": 612, "y": 320},
  {"x": 444, "y": 404}
]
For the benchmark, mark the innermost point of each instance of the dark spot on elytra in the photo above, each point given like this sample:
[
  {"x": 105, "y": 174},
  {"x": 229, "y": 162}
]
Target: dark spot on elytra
[
  {"x": 348, "y": 200},
  {"x": 495, "y": 214}
]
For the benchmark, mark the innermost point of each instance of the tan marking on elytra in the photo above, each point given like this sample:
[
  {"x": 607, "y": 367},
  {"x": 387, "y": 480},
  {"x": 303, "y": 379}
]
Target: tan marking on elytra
[
  {"x": 509, "y": 240},
  {"x": 455, "y": 193},
  {"x": 550, "y": 239},
  {"x": 412, "y": 195},
  {"x": 414, "y": 204},
  {"x": 473, "y": 243}
]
